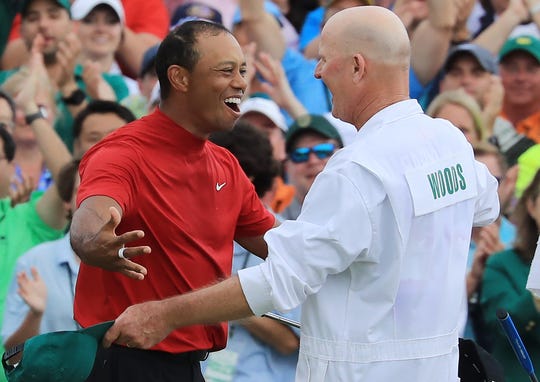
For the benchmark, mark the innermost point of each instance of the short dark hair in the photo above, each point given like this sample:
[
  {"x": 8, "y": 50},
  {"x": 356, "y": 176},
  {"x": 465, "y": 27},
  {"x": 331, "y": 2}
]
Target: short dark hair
[
  {"x": 180, "y": 48},
  {"x": 66, "y": 179},
  {"x": 9, "y": 143},
  {"x": 101, "y": 107},
  {"x": 11, "y": 103},
  {"x": 253, "y": 151}
]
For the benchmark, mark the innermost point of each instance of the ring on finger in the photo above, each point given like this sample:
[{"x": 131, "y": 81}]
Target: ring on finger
[{"x": 121, "y": 253}]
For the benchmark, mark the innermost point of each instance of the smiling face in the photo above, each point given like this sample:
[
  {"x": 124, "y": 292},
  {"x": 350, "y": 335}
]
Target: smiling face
[
  {"x": 331, "y": 69},
  {"x": 303, "y": 174},
  {"x": 49, "y": 19},
  {"x": 216, "y": 84},
  {"x": 467, "y": 73},
  {"x": 100, "y": 32},
  {"x": 520, "y": 76}
]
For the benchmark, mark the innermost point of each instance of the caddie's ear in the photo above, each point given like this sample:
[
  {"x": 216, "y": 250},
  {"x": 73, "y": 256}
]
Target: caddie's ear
[
  {"x": 178, "y": 77},
  {"x": 358, "y": 68}
]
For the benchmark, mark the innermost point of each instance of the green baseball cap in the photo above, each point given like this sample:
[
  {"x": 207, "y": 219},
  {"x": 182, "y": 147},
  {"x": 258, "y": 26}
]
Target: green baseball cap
[
  {"x": 313, "y": 123},
  {"x": 57, "y": 356},
  {"x": 63, "y": 3},
  {"x": 527, "y": 44}
]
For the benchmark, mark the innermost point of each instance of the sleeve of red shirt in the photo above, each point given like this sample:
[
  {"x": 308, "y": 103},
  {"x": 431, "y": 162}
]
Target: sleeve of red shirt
[
  {"x": 147, "y": 16},
  {"x": 109, "y": 173}
]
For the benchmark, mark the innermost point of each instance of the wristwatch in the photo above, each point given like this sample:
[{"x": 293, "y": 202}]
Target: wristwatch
[
  {"x": 75, "y": 98},
  {"x": 41, "y": 113}
]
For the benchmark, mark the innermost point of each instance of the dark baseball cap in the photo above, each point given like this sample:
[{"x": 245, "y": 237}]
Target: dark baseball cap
[
  {"x": 482, "y": 55},
  {"x": 149, "y": 59},
  {"x": 56, "y": 356},
  {"x": 63, "y": 3},
  {"x": 527, "y": 44},
  {"x": 310, "y": 123}
]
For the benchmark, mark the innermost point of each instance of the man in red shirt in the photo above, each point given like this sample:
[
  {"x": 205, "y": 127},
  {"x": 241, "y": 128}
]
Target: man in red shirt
[{"x": 158, "y": 185}]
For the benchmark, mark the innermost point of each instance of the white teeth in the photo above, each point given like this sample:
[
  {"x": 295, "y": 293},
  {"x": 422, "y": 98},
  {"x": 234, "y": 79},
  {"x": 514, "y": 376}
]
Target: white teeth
[{"x": 233, "y": 100}]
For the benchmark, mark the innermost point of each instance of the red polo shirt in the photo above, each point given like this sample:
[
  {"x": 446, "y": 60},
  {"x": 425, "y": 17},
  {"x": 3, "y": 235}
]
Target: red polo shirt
[{"x": 190, "y": 197}]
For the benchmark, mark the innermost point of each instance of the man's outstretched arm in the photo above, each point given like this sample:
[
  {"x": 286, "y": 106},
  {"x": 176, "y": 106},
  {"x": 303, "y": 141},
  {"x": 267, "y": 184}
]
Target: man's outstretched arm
[{"x": 144, "y": 325}]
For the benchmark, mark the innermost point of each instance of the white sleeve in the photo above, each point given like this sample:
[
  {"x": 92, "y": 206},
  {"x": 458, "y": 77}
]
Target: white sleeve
[
  {"x": 487, "y": 203},
  {"x": 333, "y": 231}
]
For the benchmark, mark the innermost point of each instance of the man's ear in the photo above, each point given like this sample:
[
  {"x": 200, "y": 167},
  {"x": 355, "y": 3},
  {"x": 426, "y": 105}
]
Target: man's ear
[
  {"x": 178, "y": 77},
  {"x": 359, "y": 68}
]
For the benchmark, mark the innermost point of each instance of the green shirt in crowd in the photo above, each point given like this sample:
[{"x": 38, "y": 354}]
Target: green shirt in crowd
[
  {"x": 21, "y": 228},
  {"x": 503, "y": 286}
]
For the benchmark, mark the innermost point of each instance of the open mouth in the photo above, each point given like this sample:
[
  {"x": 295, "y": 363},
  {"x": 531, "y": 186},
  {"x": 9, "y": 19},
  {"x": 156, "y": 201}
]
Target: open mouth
[{"x": 232, "y": 103}]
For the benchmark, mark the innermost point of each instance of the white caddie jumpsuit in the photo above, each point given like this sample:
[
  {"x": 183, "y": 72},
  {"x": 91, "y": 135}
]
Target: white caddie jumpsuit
[{"x": 378, "y": 255}]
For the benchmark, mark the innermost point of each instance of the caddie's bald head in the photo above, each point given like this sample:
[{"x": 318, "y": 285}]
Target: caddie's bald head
[
  {"x": 365, "y": 57},
  {"x": 375, "y": 32}
]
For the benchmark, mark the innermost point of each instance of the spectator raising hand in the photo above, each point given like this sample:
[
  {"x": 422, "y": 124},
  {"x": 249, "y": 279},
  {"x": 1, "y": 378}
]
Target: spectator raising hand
[
  {"x": 411, "y": 12},
  {"x": 68, "y": 50},
  {"x": 464, "y": 9},
  {"x": 96, "y": 86},
  {"x": 431, "y": 39},
  {"x": 488, "y": 242},
  {"x": 29, "y": 98},
  {"x": 491, "y": 101},
  {"x": 21, "y": 189},
  {"x": 32, "y": 290},
  {"x": 276, "y": 85}
]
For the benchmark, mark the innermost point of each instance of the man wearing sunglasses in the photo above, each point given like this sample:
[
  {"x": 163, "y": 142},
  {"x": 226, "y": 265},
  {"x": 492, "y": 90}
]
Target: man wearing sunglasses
[{"x": 310, "y": 142}]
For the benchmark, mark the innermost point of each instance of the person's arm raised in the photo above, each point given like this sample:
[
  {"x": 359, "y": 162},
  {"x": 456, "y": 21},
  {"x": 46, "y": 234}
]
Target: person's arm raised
[
  {"x": 55, "y": 153},
  {"x": 94, "y": 240},
  {"x": 431, "y": 39},
  {"x": 277, "y": 86},
  {"x": 33, "y": 291},
  {"x": 495, "y": 35},
  {"x": 262, "y": 28}
]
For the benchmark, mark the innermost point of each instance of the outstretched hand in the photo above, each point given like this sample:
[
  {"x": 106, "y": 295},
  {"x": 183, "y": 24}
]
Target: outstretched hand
[{"x": 102, "y": 248}]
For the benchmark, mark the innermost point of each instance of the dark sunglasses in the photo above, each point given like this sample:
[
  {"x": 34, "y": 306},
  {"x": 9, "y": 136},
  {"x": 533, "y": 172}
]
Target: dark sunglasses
[{"x": 322, "y": 151}]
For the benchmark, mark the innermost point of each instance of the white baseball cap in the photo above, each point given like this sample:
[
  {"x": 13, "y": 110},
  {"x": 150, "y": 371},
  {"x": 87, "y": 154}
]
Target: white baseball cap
[
  {"x": 81, "y": 8},
  {"x": 266, "y": 107}
]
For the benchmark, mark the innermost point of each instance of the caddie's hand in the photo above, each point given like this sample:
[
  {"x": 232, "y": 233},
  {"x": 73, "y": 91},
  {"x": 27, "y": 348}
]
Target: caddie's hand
[
  {"x": 113, "y": 252},
  {"x": 139, "y": 326}
]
